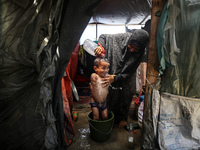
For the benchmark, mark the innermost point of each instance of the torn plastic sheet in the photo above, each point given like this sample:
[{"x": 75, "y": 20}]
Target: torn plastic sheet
[
  {"x": 25, "y": 85},
  {"x": 31, "y": 70},
  {"x": 181, "y": 76},
  {"x": 178, "y": 121},
  {"x": 193, "y": 2},
  {"x": 166, "y": 37}
]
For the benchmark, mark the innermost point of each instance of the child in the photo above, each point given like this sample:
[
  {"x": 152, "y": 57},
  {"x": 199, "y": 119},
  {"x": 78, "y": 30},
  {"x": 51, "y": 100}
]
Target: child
[{"x": 99, "y": 92}]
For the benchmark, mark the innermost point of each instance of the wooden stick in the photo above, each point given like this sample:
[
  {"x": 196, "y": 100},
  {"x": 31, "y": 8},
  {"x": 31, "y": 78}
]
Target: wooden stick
[{"x": 148, "y": 139}]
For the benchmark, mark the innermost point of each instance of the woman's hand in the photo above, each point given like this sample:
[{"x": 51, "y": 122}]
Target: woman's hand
[
  {"x": 107, "y": 80},
  {"x": 98, "y": 51}
]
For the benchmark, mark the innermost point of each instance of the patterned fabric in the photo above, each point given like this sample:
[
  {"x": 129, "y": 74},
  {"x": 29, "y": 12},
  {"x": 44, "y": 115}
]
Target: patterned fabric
[
  {"x": 67, "y": 93},
  {"x": 123, "y": 64},
  {"x": 69, "y": 131}
]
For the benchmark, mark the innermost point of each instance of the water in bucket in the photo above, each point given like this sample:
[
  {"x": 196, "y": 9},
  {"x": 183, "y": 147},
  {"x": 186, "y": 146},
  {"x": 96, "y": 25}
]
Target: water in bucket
[{"x": 100, "y": 130}]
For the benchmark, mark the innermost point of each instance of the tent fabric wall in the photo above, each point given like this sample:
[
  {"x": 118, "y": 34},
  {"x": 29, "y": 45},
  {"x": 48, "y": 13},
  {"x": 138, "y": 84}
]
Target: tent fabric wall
[
  {"x": 174, "y": 113},
  {"x": 126, "y": 12},
  {"x": 26, "y": 107},
  {"x": 32, "y": 66},
  {"x": 180, "y": 49}
]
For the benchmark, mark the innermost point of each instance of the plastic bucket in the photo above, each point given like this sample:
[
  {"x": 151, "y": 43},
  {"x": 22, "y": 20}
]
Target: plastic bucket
[{"x": 100, "y": 130}]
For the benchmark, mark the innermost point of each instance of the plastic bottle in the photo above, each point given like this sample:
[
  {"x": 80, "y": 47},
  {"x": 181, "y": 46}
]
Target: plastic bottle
[
  {"x": 131, "y": 133},
  {"x": 89, "y": 46}
]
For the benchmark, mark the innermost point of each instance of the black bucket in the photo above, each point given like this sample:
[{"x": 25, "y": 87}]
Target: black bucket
[{"x": 100, "y": 130}]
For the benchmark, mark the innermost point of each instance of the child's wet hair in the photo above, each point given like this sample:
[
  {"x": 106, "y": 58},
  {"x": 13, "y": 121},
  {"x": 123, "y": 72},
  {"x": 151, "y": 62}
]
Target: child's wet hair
[{"x": 98, "y": 60}]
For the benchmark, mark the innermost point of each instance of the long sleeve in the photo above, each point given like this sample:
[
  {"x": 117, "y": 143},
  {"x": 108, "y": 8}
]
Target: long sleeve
[
  {"x": 121, "y": 77},
  {"x": 102, "y": 40}
]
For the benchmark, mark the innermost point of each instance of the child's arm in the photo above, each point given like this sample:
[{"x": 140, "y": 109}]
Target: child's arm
[
  {"x": 93, "y": 78},
  {"x": 93, "y": 82}
]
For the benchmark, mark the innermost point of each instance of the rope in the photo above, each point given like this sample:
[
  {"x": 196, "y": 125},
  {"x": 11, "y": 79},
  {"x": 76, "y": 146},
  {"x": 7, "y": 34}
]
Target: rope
[
  {"x": 153, "y": 75},
  {"x": 152, "y": 85}
]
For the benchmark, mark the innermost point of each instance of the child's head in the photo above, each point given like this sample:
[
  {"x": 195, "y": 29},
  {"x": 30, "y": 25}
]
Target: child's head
[{"x": 101, "y": 66}]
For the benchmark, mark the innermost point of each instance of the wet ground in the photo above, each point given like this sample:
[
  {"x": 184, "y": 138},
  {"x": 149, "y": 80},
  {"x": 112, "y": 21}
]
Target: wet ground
[{"x": 118, "y": 139}]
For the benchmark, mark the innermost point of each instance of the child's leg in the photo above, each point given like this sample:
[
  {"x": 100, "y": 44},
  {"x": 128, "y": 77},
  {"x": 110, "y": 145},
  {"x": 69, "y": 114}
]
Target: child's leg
[
  {"x": 104, "y": 114},
  {"x": 95, "y": 112}
]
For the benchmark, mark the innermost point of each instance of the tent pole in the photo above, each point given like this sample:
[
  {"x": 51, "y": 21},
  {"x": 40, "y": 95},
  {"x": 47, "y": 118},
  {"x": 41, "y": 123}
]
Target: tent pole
[{"x": 148, "y": 139}]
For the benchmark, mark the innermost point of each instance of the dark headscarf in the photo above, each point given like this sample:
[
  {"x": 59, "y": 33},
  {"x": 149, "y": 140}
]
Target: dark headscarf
[
  {"x": 140, "y": 38},
  {"x": 116, "y": 50}
]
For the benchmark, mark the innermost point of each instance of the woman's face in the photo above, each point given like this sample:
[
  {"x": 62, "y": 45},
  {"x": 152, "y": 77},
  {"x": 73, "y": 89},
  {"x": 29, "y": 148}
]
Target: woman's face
[{"x": 133, "y": 48}]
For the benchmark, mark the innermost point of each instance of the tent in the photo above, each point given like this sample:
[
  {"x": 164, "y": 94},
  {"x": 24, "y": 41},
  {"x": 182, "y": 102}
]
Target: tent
[
  {"x": 172, "y": 103},
  {"x": 37, "y": 40}
]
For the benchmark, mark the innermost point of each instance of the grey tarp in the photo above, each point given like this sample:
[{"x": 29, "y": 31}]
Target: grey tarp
[{"x": 31, "y": 111}]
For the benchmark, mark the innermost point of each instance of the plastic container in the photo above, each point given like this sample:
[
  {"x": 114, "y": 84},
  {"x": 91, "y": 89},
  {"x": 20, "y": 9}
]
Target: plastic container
[
  {"x": 100, "y": 130},
  {"x": 131, "y": 133},
  {"x": 89, "y": 46}
]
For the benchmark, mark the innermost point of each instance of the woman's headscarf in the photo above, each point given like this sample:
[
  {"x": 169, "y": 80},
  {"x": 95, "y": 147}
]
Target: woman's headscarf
[
  {"x": 116, "y": 50},
  {"x": 140, "y": 38}
]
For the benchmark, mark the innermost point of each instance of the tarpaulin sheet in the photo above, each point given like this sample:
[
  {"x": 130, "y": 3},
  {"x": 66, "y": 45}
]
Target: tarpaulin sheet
[
  {"x": 26, "y": 116},
  {"x": 179, "y": 52},
  {"x": 151, "y": 107},
  {"x": 121, "y": 12},
  {"x": 32, "y": 67},
  {"x": 176, "y": 121}
]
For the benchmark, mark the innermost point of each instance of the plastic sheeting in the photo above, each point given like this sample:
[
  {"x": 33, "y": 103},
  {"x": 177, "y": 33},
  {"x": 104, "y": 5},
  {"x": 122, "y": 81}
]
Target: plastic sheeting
[
  {"x": 176, "y": 121},
  {"x": 149, "y": 139},
  {"x": 31, "y": 69},
  {"x": 179, "y": 51},
  {"x": 26, "y": 116},
  {"x": 117, "y": 12}
]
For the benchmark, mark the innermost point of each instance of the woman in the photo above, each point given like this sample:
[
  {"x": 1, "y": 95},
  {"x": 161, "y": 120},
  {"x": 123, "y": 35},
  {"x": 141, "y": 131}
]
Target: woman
[{"x": 124, "y": 52}]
